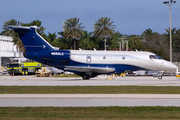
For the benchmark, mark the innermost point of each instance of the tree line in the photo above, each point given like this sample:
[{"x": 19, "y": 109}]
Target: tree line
[{"x": 103, "y": 37}]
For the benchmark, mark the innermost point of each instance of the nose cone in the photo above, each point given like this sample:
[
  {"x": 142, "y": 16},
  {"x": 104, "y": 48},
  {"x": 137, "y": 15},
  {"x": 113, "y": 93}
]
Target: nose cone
[{"x": 168, "y": 65}]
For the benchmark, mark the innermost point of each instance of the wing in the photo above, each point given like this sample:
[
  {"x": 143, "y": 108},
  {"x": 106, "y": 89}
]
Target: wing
[{"x": 90, "y": 69}]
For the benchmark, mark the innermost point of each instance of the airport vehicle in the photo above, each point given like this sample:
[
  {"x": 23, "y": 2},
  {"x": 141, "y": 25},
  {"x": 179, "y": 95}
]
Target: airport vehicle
[
  {"x": 48, "y": 71},
  {"x": 43, "y": 72},
  {"x": 88, "y": 63},
  {"x": 55, "y": 71},
  {"x": 23, "y": 66}
]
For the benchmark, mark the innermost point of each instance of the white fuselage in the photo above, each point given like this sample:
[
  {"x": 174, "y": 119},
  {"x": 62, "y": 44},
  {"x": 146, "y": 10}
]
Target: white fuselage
[{"x": 129, "y": 58}]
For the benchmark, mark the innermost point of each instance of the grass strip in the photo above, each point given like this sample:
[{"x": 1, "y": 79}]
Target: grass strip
[
  {"x": 67, "y": 113},
  {"x": 90, "y": 89}
]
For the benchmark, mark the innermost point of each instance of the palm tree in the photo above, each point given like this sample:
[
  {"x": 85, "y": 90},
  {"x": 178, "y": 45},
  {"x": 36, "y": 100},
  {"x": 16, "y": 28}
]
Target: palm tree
[
  {"x": 37, "y": 23},
  {"x": 6, "y": 30},
  {"x": 64, "y": 43},
  {"x": 88, "y": 41},
  {"x": 104, "y": 28},
  {"x": 73, "y": 29},
  {"x": 10, "y": 32},
  {"x": 148, "y": 32},
  {"x": 114, "y": 41},
  {"x": 51, "y": 37}
]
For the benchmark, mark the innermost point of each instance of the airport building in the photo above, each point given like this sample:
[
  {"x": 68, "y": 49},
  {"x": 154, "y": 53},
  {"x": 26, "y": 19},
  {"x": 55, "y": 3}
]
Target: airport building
[{"x": 7, "y": 50}]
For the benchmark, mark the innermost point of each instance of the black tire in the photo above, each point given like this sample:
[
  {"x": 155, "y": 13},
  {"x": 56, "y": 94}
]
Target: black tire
[
  {"x": 86, "y": 77},
  {"x": 26, "y": 72},
  {"x": 160, "y": 77},
  {"x": 23, "y": 72}
]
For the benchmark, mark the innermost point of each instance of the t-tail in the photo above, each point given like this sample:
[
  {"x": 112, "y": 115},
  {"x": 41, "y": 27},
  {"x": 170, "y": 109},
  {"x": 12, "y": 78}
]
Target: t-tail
[{"x": 32, "y": 41}]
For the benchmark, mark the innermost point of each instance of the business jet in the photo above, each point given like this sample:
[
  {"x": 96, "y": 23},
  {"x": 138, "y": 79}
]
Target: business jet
[{"x": 88, "y": 63}]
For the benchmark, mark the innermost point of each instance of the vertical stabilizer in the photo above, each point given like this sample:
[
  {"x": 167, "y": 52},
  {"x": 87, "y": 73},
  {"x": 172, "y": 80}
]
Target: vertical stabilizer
[{"x": 32, "y": 41}]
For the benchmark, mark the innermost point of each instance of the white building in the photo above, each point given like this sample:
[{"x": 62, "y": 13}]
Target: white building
[{"x": 7, "y": 50}]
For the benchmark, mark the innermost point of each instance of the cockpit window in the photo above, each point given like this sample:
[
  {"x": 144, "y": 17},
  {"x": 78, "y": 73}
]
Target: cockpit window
[
  {"x": 152, "y": 57},
  {"x": 158, "y": 57}
]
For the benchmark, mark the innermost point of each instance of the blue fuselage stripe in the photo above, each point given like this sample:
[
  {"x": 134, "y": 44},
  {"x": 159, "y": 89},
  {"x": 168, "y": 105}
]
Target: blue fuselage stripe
[{"x": 119, "y": 68}]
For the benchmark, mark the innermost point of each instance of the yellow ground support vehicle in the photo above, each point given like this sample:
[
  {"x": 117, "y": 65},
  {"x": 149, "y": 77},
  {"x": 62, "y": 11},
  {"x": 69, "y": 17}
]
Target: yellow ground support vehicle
[
  {"x": 43, "y": 73},
  {"x": 23, "y": 67}
]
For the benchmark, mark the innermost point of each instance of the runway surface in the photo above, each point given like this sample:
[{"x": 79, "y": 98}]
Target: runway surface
[
  {"x": 88, "y": 100},
  {"x": 98, "y": 81}
]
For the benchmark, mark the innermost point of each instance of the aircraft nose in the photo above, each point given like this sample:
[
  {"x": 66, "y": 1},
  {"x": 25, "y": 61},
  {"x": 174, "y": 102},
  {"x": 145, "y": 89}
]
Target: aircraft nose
[{"x": 168, "y": 65}]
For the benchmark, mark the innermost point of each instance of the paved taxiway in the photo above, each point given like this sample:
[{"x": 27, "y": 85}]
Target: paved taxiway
[
  {"x": 98, "y": 81},
  {"x": 86, "y": 100}
]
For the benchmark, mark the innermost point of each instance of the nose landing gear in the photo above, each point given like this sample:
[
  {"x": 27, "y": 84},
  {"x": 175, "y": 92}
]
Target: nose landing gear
[{"x": 160, "y": 76}]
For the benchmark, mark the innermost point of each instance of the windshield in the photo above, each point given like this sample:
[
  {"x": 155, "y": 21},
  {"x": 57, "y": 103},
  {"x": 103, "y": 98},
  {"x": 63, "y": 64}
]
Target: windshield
[
  {"x": 154, "y": 57},
  {"x": 158, "y": 57},
  {"x": 12, "y": 65}
]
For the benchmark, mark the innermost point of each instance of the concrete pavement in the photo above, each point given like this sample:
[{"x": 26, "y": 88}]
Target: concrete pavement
[
  {"x": 89, "y": 96},
  {"x": 87, "y": 100},
  {"x": 77, "y": 81}
]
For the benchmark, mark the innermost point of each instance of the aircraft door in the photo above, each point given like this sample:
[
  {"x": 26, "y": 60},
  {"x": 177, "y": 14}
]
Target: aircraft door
[{"x": 88, "y": 58}]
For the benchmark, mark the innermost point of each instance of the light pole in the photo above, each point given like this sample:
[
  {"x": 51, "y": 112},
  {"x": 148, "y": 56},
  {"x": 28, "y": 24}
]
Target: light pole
[
  {"x": 119, "y": 46},
  {"x": 126, "y": 45},
  {"x": 171, "y": 2},
  {"x": 105, "y": 43},
  {"x": 122, "y": 39}
]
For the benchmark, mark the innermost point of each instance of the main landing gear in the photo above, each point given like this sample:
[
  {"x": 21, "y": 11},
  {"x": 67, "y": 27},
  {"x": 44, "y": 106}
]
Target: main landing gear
[{"x": 86, "y": 77}]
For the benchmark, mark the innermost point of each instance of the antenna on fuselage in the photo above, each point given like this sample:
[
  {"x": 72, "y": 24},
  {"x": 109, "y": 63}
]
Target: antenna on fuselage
[
  {"x": 94, "y": 49},
  {"x": 136, "y": 50},
  {"x": 79, "y": 48}
]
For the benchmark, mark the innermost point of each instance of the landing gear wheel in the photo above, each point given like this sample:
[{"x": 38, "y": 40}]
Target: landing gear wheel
[
  {"x": 160, "y": 77},
  {"x": 86, "y": 77}
]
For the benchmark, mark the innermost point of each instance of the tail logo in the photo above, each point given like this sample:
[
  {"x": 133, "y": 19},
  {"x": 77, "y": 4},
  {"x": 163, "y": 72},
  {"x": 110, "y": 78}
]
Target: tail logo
[{"x": 44, "y": 46}]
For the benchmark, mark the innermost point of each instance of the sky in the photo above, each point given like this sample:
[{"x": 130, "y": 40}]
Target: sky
[{"x": 129, "y": 16}]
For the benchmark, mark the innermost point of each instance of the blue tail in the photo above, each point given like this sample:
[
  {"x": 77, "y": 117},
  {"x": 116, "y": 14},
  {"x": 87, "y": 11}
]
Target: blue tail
[{"x": 32, "y": 41}]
